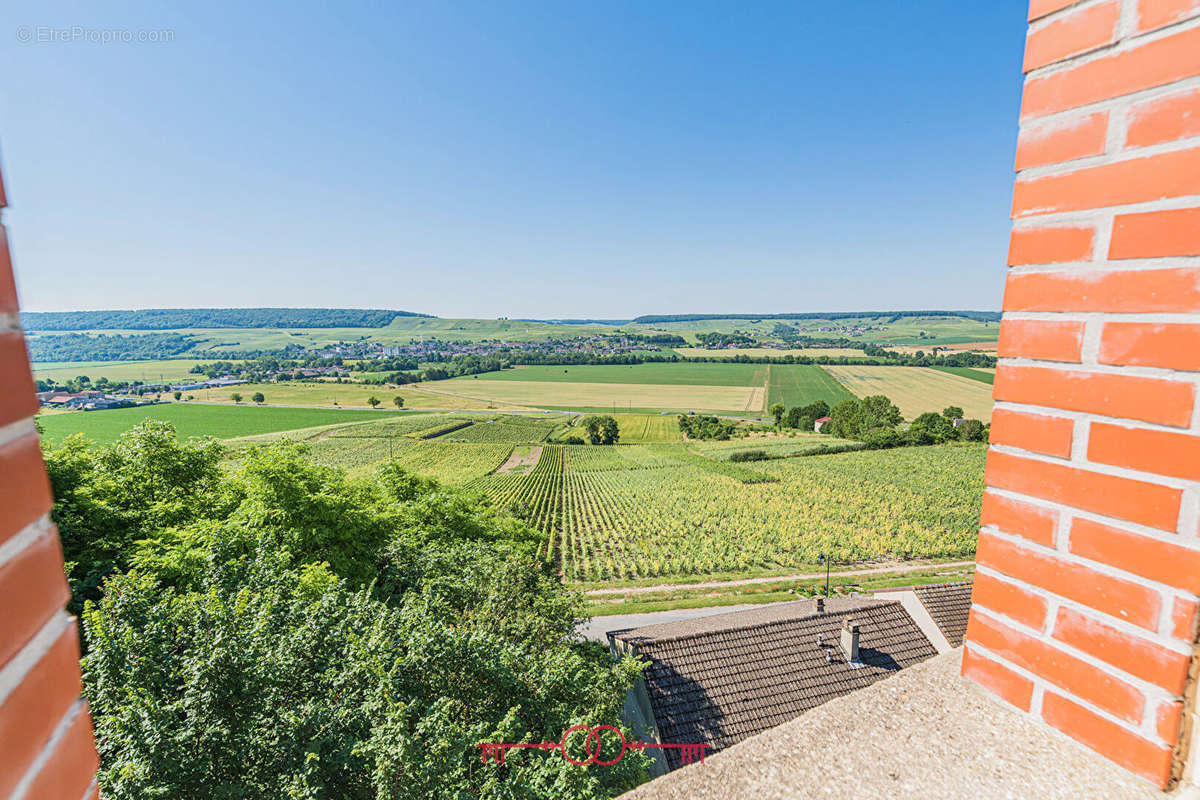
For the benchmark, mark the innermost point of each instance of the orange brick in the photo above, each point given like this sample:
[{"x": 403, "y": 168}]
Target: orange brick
[
  {"x": 1070, "y": 35},
  {"x": 1146, "y": 503},
  {"x": 1160, "y": 452},
  {"x": 997, "y": 678},
  {"x": 1183, "y": 619},
  {"x": 18, "y": 398},
  {"x": 1118, "y": 598},
  {"x": 1150, "y": 558},
  {"x": 1166, "y": 402},
  {"x": 1164, "y": 119},
  {"x": 1114, "y": 742},
  {"x": 1156, "y": 63},
  {"x": 1062, "y": 669},
  {"x": 1156, "y": 234},
  {"x": 34, "y": 588},
  {"x": 1154, "y": 14},
  {"x": 1137, "y": 291},
  {"x": 35, "y": 707},
  {"x": 69, "y": 770},
  {"x": 1056, "y": 143},
  {"x": 1171, "y": 346},
  {"x": 1134, "y": 655},
  {"x": 8, "y": 289},
  {"x": 1040, "y": 8},
  {"x": 1009, "y": 600},
  {"x": 1035, "y": 432},
  {"x": 1136, "y": 180},
  {"x": 1049, "y": 245},
  {"x": 1167, "y": 719},
  {"x": 1018, "y": 519},
  {"x": 1046, "y": 341},
  {"x": 24, "y": 487}
]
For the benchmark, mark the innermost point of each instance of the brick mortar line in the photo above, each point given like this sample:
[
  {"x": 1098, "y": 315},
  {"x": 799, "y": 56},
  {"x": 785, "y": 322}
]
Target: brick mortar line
[
  {"x": 1111, "y": 470},
  {"x": 91, "y": 789},
  {"x": 1096, "y": 214},
  {"x": 1131, "y": 371},
  {"x": 1123, "y": 45},
  {"x": 1180, "y": 318},
  {"x": 15, "y": 430},
  {"x": 1128, "y": 17},
  {"x": 43, "y": 757},
  {"x": 1091, "y": 516},
  {"x": 1152, "y": 694},
  {"x": 1111, "y": 103},
  {"x": 1087, "y": 416},
  {"x": 20, "y": 665},
  {"x": 1101, "y": 268},
  {"x": 1106, "y": 159},
  {"x": 1154, "y": 637},
  {"x": 1075, "y": 559},
  {"x": 19, "y": 543},
  {"x": 1138, "y": 730},
  {"x": 1046, "y": 20}
]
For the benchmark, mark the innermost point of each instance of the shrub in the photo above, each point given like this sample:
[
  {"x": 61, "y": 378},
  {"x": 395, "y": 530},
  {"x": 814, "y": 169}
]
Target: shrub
[{"x": 749, "y": 455}]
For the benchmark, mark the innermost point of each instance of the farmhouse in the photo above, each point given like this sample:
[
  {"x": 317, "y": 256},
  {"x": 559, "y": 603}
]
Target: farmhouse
[
  {"x": 817, "y": 425},
  {"x": 724, "y": 678}
]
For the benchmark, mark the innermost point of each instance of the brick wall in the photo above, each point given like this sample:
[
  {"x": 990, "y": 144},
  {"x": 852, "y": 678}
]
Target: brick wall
[
  {"x": 1085, "y": 606},
  {"x": 46, "y": 747}
]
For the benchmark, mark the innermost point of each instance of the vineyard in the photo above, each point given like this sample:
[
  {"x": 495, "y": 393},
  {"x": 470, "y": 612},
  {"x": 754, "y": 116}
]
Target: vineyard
[{"x": 659, "y": 510}]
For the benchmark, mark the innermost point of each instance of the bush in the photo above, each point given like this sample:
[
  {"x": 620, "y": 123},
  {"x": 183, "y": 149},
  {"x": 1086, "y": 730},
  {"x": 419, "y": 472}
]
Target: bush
[{"x": 749, "y": 455}]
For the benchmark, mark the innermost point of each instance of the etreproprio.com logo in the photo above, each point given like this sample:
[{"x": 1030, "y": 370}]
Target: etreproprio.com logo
[{"x": 592, "y": 746}]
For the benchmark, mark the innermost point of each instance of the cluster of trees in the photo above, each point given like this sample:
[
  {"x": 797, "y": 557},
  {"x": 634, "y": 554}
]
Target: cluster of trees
[
  {"x": 714, "y": 339},
  {"x": 152, "y": 319},
  {"x": 801, "y": 417},
  {"x": 110, "y": 347},
  {"x": 891, "y": 316},
  {"x": 282, "y": 630},
  {"x": 698, "y": 426},
  {"x": 600, "y": 430},
  {"x": 874, "y": 420}
]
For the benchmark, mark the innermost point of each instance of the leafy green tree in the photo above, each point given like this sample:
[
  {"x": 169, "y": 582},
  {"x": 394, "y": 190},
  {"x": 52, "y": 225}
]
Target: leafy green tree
[
  {"x": 930, "y": 428},
  {"x": 236, "y": 397},
  {"x": 878, "y": 412},
  {"x": 846, "y": 418},
  {"x": 610, "y": 431},
  {"x": 398, "y": 401},
  {"x": 373, "y": 401},
  {"x": 259, "y": 398},
  {"x": 952, "y": 413},
  {"x": 971, "y": 430},
  {"x": 777, "y": 410},
  {"x": 178, "y": 395}
]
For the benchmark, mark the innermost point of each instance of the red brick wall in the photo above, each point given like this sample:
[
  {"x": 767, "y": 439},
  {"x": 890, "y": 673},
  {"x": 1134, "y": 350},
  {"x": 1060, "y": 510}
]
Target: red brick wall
[
  {"x": 1089, "y": 558},
  {"x": 46, "y": 746}
]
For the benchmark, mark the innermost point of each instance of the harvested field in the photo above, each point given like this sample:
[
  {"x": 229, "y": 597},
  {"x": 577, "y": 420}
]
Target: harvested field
[{"x": 918, "y": 389}]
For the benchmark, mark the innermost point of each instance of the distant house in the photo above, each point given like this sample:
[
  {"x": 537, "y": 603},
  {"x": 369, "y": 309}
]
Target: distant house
[
  {"x": 817, "y": 425},
  {"x": 718, "y": 680}
]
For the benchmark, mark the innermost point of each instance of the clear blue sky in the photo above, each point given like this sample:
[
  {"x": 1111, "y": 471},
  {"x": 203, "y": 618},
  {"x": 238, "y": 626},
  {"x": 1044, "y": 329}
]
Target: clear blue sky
[{"x": 570, "y": 159}]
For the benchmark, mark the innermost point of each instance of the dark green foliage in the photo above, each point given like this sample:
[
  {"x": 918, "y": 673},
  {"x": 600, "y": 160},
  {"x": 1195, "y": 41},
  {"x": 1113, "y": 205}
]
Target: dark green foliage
[
  {"x": 151, "y": 319},
  {"x": 952, "y": 413},
  {"x": 283, "y": 631},
  {"x": 749, "y": 455},
  {"x": 601, "y": 429},
  {"x": 110, "y": 347},
  {"x": 972, "y": 430},
  {"x": 698, "y": 426},
  {"x": 930, "y": 428}
]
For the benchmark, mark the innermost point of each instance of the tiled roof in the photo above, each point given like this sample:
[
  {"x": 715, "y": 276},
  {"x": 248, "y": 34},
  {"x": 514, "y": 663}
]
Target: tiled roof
[
  {"x": 723, "y": 678},
  {"x": 948, "y": 604}
]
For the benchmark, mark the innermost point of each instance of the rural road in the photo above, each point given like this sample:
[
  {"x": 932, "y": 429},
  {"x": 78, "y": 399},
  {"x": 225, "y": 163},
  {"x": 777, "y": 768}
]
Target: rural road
[
  {"x": 597, "y": 627},
  {"x": 668, "y": 587}
]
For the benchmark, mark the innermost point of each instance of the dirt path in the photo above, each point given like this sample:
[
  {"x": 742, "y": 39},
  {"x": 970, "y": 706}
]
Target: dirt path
[
  {"x": 516, "y": 460},
  {"x": 668, "y": 587}
]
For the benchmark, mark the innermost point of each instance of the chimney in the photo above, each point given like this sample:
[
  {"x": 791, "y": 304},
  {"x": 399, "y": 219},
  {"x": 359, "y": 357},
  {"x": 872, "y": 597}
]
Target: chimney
[
  {"x": 850, "y": 639},
  {"x": 820, "y": 605}
]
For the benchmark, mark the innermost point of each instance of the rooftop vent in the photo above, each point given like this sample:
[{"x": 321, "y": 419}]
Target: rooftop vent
[
  {"x": 850, "y": 640},
  {"x": 820, "y": 605}
]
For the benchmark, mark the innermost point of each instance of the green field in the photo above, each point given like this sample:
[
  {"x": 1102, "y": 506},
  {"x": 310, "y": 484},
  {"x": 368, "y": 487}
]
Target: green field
[
  {"x": 223, "y": 422},
  {"x": 801, "y": 384},
  {"x": 646, "y": 428},
  {"x": 665, "y": 374},
  {"x": 173, "y": 370},
  {"x": 968, "y": 372}
]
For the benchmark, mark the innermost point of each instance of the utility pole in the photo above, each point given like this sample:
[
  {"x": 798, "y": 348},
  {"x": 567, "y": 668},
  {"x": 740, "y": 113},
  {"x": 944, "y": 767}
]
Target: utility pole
[{"x": 822, "y": 558}]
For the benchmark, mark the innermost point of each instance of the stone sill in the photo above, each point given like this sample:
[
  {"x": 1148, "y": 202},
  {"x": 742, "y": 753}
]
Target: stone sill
[{"x": 926, "y": 732}]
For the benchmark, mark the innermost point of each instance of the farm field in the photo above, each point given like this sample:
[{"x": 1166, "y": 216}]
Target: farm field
[
  {"x": 938, "y": 329},
  {"x": 661, "y": 510},
  {"x": 768, "y": 352},
  {"x": 145, "y": 371},
  {"x": 613, "y": 396},
  {"x": 772, "y": 446},
  {"x": 916, "y": 390},
  {"x": 801, "y": 384},
  {"x": 223, "y": 422},
  {"x": 328, "y": 394},
  {"x": 666, "y": 374},
  {"x": 982, "y": 375},
  {"x": 648, "y": 428}
]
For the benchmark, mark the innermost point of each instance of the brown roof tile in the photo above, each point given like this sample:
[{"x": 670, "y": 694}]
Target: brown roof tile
[
  {"x": 723, "y": 678},
  {"x": 948, "y": 604}
]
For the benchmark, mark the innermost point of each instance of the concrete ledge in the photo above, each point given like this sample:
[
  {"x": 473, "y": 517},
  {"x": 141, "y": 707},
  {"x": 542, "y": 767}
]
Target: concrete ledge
[{"x": 924, "y": 733}]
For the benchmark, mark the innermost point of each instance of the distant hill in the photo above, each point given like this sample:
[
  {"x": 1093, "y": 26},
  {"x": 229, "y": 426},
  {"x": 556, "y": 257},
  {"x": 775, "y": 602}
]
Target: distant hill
[
  {"x": 979, "y": 316},
  {"x": 615, "y": 322},
  {"x": 157, "y": 319}
]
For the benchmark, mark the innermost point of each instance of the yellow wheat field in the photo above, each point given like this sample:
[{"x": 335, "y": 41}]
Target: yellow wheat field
[{"x": 918, "y": 389}]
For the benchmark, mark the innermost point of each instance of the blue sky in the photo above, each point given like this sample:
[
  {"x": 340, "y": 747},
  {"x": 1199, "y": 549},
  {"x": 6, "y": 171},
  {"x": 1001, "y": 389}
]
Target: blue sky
[{"x": 513, "y": 158}]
